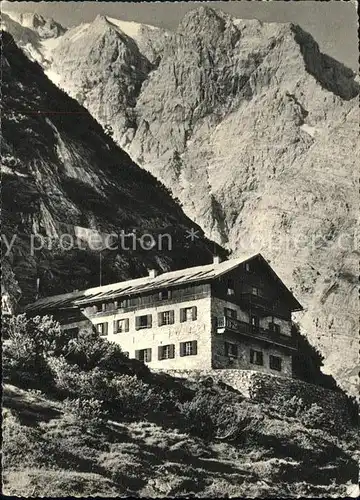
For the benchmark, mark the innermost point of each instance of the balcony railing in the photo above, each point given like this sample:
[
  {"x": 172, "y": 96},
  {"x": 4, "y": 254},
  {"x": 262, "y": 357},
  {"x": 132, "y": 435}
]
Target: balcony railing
[
  {"x": 256, "y": 300},
  {"x": 226, "y": 323}
]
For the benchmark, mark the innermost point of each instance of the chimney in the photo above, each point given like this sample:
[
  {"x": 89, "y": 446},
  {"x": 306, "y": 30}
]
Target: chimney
[
  {"x": 216, "y": 259},
  {"x": 152, "y": 273}
]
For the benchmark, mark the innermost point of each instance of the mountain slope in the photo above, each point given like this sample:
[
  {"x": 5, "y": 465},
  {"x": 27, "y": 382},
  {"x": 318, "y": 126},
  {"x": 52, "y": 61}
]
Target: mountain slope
[{"x": 74, "y": 178}]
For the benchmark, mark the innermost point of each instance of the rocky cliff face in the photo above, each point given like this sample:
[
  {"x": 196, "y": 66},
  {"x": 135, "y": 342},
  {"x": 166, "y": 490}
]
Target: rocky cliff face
[
  {"x": 255, "y": 131},
  {"x": 61, "y": 175}
]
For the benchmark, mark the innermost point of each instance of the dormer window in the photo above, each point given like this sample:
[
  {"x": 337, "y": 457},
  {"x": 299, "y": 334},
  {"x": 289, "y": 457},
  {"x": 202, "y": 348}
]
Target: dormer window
[{"x": 165, "y": 294}]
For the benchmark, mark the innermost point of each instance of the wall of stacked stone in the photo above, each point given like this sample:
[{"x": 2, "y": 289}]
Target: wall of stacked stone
[{"x": 274, "y": 390}]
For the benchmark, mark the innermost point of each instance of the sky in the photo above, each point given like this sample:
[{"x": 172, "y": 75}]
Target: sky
[{"x": 333, "y": 24}]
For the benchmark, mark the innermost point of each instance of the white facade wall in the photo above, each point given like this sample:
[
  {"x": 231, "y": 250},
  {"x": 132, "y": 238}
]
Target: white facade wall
[{"x": 145, "y": 338}]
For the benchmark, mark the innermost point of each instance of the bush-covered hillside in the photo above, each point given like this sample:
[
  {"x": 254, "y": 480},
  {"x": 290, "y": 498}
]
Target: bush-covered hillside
[{"x": 82, "y": 419}]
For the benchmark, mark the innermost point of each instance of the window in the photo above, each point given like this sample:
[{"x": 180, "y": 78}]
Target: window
[
  {"x": 188, "y": 348},
  {"x": 231, "y": 350},
  {"x": 72, "y": 332},
  {"x": 230, "y": 313},
  {"x": 126, "y": 353},
  {"x": 109, "y": 306},
  {"x": 255, "y": 290},
  {"x": 165, "y": 318},
  {"x": 247, "y": 267},
  {"x": 97, "y": 308},
  {"x": 166, "y": 351},
  {"x": 143, "y": 321},
  {"x": 165, "y": 294},
  {"x": 273, "y": 327},
  {"x": 230, "y": 287},
  {"x": 121, "y": 325},
  {"x": 255, "y": 323},
  {"x": 275, "y": 363},
  {"x": 256, "y": 357},
  {"x": 121, "y": 304},
  {"x": 188, "y": 314},
  {"x": 102, "y": 328},
  {"x": 143, "y": 355}
]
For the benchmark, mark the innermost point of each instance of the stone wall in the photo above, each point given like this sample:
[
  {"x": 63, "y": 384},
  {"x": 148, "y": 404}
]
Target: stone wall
[{"x": 272, "y": 389}]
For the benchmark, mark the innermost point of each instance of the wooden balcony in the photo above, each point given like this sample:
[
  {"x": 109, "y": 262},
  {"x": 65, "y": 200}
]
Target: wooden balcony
[
  {"x": 256, "y": 301},
  {"x": 226, "y": 324}
]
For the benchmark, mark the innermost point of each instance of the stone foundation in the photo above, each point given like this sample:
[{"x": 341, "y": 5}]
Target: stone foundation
[{"x": 274, "y": 389}]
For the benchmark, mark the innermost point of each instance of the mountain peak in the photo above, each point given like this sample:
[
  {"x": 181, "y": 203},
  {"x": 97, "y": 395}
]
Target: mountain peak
[
  {"x": 202, "y": 19},
  {"x": 46, "y": 27}
]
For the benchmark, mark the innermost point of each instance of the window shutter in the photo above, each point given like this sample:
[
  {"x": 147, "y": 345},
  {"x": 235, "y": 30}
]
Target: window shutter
[
  {"x": 235, "y": 350},
  {"x": 194, "y": 313},
  {"x": 261, "y": 358},
  {"x": 114, "y": 326},
  {"x": 226, "y": 349},
  {"x": 194, "y": 346},
  {"x": 182, "y": 348},
  {"x": 137, "y": 354},
  {"x": 160, "y": 318},
  {"x": 160, "y": 352},
  {"x": 106, "y": 328},
  {"x": 149, "y": 321},
  {"x": 172, "y": 351},
  {"x": 251, "y": 356},
  {"x": 126, "y": 324},
  {"x": 182, "y": 315},
  {"x": 148, "y": 355},
  {"x": 137, "y": 323},
  {"x": 172, "y": 317}
]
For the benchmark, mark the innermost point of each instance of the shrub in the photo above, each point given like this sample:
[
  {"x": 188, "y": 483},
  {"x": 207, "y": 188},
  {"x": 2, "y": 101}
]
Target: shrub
[
  {"x": 88, "y": 350},
  {"x": 215, "y": 415},
  {"x": 123, "y": 395},
  {"x": 24, "y": 355},
  {"x": 88, "y": 413},
  {"x": 293, "y": 407},
  {"x": 314, "y": 416}
]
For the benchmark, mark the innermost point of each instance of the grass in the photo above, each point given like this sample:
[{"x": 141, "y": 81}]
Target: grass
[{"x": 52, "y": 455}]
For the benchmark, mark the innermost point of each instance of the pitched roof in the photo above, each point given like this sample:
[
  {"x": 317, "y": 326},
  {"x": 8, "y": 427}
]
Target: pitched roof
[{"x": 141, "y": 285}]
